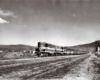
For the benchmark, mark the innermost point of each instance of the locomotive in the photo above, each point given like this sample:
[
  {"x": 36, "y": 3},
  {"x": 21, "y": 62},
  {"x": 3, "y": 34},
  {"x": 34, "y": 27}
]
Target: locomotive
[{"x": 46, "y": 49}]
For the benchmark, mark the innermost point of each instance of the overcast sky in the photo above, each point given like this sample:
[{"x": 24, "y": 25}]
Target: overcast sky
[{"x": 60, "y": 22}]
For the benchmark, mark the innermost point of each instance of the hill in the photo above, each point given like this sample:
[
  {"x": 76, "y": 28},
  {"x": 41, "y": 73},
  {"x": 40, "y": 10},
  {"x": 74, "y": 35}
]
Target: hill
[
  {"x": 16, "y": 51},
  {"x": 16, "y": 47},
  {"x": 86, "y": 47}
]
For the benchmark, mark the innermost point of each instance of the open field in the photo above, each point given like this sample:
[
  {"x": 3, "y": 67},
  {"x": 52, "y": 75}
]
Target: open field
[
  {"x": 12, "y": 62},
  {"x": 77, "y": 67},
  {"x": 39, "y": 68}
]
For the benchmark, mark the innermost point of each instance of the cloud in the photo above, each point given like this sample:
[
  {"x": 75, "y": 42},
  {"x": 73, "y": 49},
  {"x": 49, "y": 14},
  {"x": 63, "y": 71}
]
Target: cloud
[
  {"x": 6, "y": 13},
  {"x": 3, "y": 21}
]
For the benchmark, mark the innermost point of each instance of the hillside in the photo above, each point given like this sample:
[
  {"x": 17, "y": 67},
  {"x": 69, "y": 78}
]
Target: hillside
[
  {"x": 16, "y": 51},
  {"x": 16, "y": 47},
  {"x": 86, "y": 47}
]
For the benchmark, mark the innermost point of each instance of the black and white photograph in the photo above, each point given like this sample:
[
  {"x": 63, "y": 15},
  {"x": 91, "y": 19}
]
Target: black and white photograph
[{"x": 49, "y": 39}]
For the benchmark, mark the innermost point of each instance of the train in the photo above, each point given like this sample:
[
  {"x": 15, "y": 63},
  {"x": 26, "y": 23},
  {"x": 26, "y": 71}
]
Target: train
[{"x": 46, "y": 49}]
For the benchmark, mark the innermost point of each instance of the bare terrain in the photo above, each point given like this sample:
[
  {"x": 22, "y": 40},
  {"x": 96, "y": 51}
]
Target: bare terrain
[
  {"x": 23, "y": 69},
  {"x": 77, "y": 67},
  {"x": 89, "y": 69}
]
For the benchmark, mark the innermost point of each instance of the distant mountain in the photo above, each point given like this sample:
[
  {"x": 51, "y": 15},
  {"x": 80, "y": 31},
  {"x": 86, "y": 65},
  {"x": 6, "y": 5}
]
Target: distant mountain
[{"x": 86, "y": 47}]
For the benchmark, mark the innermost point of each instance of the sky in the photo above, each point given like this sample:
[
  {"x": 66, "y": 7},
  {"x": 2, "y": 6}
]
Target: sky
[{"x": 59, "y": 22}]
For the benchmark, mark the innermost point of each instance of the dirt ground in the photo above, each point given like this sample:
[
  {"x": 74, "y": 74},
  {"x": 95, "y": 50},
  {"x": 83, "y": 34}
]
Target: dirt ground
[
  {"x": 84, "y": 67},
  {"x": 87, "y": 70},
  {"x": 55, "y": 68}
]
